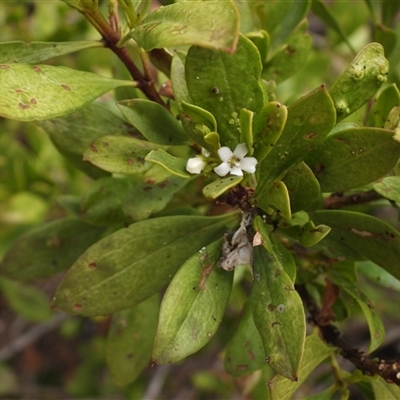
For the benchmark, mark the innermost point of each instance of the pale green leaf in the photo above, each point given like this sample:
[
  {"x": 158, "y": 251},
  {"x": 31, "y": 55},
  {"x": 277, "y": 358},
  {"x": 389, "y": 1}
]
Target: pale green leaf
[
  {"x": 31, "y": 92},
  {"x": 184, "y": 327},
  {"x": 175, "y": 165},
  {"x": 378, "y": 275},
  {"x": 123, "y": 269},
  {"x": 384, "y": 390},
  {"x": 389, "y": 187},
  {"x": 208, "y": 24},
  {"x": 220, "y": 186}
]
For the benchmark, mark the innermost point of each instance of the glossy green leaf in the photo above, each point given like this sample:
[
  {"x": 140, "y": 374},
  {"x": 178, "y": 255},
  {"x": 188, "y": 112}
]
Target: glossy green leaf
[
  {"x": 36, "y": 52},
  {"x": 284, "y": 256},
  {"x": 130, "y": 340},
  {"x": 302, "y": 186},
  {"x": 220, "y": 186},
  {"x": 290, "y": 58},
  {"x": 276, "y": 198},
  {"x": 384, "y": 390},
  {"x": 312, "y": 234},
  {"x": 217, "y": 82},
  {"x": 360, "y": 81},
  {"x": 200, "y": 115},
  {"x": 389, "y": 187},
  {"x": 339, "y": 276},
  {"x": 378, "y": 275},
  {"x": 145, "y": 199},
  {"x": 309, "y": 121},
  {"x": 27, "y": 301},
  {"x": 261, "y": 40},
  {"x": 315, "y": 351},
  {"x": 353, "y": 157},
  {"x": 153, "y": 121},
  {"x": 48, "y": 249},
  {"x": 269, "y": 127},
  {"x": 102, "y": 203},
  {"x": 246, "y": 129},
  {"x": 193, "y": 306},
  {"x": 358, "y": 236},
  {"x": 124, "y": 269},
  {"x": 190, "y": 23},
  {"x": 44, "y": 91},
  {"x": 119, "y": 154},
  {"x": 178, "y": 81},
  {"x": 72, "y": 134},
  {"x": 388, "y": 98},
  {"x": 245, "y": 352},
  {"x": 175, "y": 165},
  {"x": 277, "y": 309}
]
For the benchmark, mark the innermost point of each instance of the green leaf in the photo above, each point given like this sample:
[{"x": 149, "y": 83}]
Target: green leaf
[
  {"x": 389, "y": 187},
  {"x": 119, "y": 154},
  {"x": 360, "y": 81},
  {"x": 130, "y": 340},
  {"x": 122, "y": 269},
  {"x": 276, "y": 198},
  {"x": 27, "y": 301},
  {"x": 175, "y": 165},
  {"x": 290, "y": 58},
  {"x": 357, "y": 235},
  {"x": 148, "y": 198},
  {"x": 339, "y": 275},
  {"x": 309, "y": 120},
  {"x": 384, "y": 390},
  {"x": 245, "y": 352},
  {"x": 48, "y": 249},
  {"x": 269, "y": 127},
  {"x": 261, "y": 40},
  {"x": 246, "y": 129},
  {"x": 208, "y": 24},
  {"x": 277, "y": 309},
  {"x": 178, "y": 81},
  {"x": 193, "y": 306},
  {"x": 302, "y": 186},
  {"x": 200, "y": 115},
  {"x": 153, "y": 121},
  {"x": 217, "y": 82},
  {"x": 353, "y": 157},
  {"x": 386, "y": 36},
  {"x": 36, "y": 52},
  {"x": 102, "y": 203},
  {"x": 73, "y": 133},
  {"x": 312, "y": 234},
  {"x": 44, "y": 91},
  {"x": 388, "y": 98},
  {"x": 315, "y": 351},
  {"x": 378, "y": 275},
  {"x": 220, "y": 186}
]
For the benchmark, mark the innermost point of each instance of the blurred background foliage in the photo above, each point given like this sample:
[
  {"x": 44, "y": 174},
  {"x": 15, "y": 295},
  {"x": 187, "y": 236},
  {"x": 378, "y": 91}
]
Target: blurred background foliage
[{"x": 43, "y": 356}]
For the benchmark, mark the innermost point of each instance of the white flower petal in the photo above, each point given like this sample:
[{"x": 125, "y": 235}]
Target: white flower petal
[
  {"x": 236, "y": 171},
  {"x": 248, "y": 164},
  {"x": 241, "y": 150},
  {"x": 225, "y": 153},
  {"x": 195, "y": 165},
  {"x": 222, "y": 169}
]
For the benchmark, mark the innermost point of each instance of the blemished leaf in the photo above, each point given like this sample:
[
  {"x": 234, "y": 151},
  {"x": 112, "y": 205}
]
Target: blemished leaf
[
  {"x": 277, "y": 309},
  {"x": 27, "y": 301},
  {"x": 122, "y": 269},
  {"x": 342, "y": 274},
  {"x": 389, "y": 187},
  {"x": 360, "y": 81},
  {"x": 353, "y": 157},
  {"x": 208, "y": 24},
  {"x": 184, "y": 327},
  {"x": 73, "y": 133},
  {"x": 220, "y": 186},
  {"x": 217, "y": 82},
  {"x": 358, "y": 236},
  {"x": 276, "y": 198},
  {"x": 315, "y": 351},
  {"x": 36, "y": 52},
  {"x": 175, "y": 165},
  {"x": 309, "y": 121},
  {"x": 312, "y": 234},
  {"x": 48, "y": 249},
  {"x": 119, "y": 154},
  {"x": 290, "y": 58},
  {"x": 245, "y": 352},
  {"x": 378, "y": 275},
  {"x": 145, "y": 199},
  {"x": 102, "y": 203},
  {"x": 153, "y": 121},
  {"x": 130, "y": 340},
  {"x": 35, "y": 92},
  {"x": 384, "y": 390},
  {"x": 269, "y": 126},
  {"x": 302, "y": 186}
]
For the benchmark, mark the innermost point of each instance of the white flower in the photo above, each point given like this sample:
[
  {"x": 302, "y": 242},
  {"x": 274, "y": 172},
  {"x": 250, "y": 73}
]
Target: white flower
[
  {"x": 235, "y": 163},
  {"x": 195, "y": 165}
]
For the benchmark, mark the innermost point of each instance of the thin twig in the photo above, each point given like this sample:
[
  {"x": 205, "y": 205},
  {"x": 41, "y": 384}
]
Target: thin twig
[{"x": 157, "y": 382}]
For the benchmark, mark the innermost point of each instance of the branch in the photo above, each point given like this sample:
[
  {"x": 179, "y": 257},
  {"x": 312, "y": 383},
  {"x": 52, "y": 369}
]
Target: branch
[
  {"x": 338, "y": 200},
  {"x": 388, "y": 370}
]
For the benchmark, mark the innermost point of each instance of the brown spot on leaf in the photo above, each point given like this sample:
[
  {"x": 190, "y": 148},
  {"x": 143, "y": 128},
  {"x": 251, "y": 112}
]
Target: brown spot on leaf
[
  {"x": 93, "y": 148},
  {"x": 311, "y": 135},
  {"x": 92, "y": 265},
  {"x": 131, "y": 161},
  {"x": 66, "y": 87},
  {"x": 53, "y": 242},
  {"x": 150, "y": 181},
  {"x": 77, "y": 307},
  {"x": 24, "y": 106},
  {"x": 37, "y": 69},
  {"x": 4, "y": 66},
  {"x": 32, "y": 101},
  {"x": 204, "y": 273},
  {"x": 19, "y": 91},
  {"x": 241, "y": 367}
]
